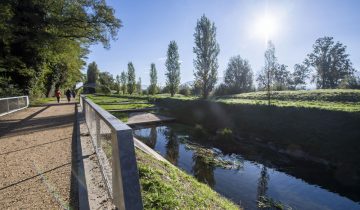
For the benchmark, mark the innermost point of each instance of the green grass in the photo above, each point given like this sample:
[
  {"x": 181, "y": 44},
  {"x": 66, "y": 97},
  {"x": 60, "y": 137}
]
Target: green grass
[
  {"x": 333, "y": 95},
  {"x": 124, "y": 117},
  {"x": 333, "y": 100},
  {"x": 126, "y": 106},
  {"x": 42, "y": 101},
  {"x": 163, "y": 186},
  {"x": 344, "y": 100},
  {"x": 166, "y": 187}
]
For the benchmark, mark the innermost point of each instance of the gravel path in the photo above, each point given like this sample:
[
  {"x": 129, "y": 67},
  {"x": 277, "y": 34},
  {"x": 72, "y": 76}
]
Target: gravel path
[{"x": 36, "y": 158}]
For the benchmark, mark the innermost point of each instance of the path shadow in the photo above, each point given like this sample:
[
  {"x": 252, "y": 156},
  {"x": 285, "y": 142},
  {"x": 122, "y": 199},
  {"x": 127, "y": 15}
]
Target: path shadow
[
  {"x": 31, "y": 124},
  {"x": 7, "y": 127}
]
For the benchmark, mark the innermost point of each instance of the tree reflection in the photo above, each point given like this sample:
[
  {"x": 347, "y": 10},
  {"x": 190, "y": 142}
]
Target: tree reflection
[
  {"x": 202, "y": 169},
  {"x": 152, "y": 138},
  {"x": 172, "y": 147},
  {"x": 149, "y": 140},
  {"x": 262, "y": 183}
]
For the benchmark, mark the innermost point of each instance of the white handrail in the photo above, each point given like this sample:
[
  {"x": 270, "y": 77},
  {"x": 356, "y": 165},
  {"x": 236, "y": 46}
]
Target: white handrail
[
  {"x": 9, "y": 105},
  {"x": 123, "y": 183}
]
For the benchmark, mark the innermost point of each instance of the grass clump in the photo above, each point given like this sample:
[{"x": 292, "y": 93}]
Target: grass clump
[{"x": 269, "y": 203}]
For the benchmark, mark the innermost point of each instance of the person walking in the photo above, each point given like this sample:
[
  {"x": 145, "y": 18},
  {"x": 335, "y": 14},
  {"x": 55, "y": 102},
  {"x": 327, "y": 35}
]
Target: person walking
[
  {"x": 68, "y": 95},
  {"x": 58, "y": 95},
  {"x": 73, "y": 93}
]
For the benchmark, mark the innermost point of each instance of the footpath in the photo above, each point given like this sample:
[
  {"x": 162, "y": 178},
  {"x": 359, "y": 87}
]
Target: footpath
[{"x": 38, "y": 158}]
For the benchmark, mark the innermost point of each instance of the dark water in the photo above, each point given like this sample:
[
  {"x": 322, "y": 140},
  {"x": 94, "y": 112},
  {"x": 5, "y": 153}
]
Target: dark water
[{"x": 251, "y": 172}]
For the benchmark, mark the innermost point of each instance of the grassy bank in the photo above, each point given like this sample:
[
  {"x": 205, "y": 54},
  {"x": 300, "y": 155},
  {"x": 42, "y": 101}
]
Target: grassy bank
[
  {"x": 330, "y": 135},
  {"x": 163, "y": 186},
  {"x": 333, "y": 100},
  {"x": 166, "y": 187}
]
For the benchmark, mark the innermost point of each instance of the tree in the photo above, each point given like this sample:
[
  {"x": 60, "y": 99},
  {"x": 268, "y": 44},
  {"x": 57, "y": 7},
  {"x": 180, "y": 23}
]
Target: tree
[
  {"x": 92, "y": 77},
  {"x": 266, "y": 76},
  {"x": 43, "y": 43},
  {"x": 330, "y": 61},
  {"x": 123, "y": 79},
  {"x": 118, "y": 84},
  {"x": 173, "y": 68},
  {"x": 238, "y": 75},
  {"x": 300, "y": 75},
  {"x": 153, "y": 80},
  {"x": 106, "y": 82},
  {"x": 206, "y": 50},
  {"x": 282, "y": 77},
  {"x": 131, "y": 83},
  {"x": 138, "y": 86}
]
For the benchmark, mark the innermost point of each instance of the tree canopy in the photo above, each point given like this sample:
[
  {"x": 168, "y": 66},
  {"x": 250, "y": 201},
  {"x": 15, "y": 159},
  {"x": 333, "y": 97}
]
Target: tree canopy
[
  {"x": 43, "y": 43},
  {"x": 330, "y": 62},
  {"x": 238, "y": 75}
]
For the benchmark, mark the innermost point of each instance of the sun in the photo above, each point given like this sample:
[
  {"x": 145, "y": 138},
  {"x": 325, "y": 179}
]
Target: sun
[{"x": 266, "y": 27}]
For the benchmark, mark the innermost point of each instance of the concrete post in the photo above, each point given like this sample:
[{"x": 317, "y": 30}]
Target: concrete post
[{"x": 126, "y": 185}]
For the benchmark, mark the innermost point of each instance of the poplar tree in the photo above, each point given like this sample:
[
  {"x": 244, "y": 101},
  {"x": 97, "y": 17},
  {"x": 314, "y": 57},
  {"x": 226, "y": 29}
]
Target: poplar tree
[
  {"x": 138, "y": 86},
  {"x": 153, "y": 79},
  {"x": 123, "y": 80},
  {"x": 206, "y": 50},
  {"x": 173, "y": 68},
  {"x": 131, "y": 78}
]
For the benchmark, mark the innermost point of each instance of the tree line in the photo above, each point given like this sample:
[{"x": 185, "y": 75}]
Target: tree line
[
  {"x": 327, "y": 66},
  {"x": 44, "y": 44}
]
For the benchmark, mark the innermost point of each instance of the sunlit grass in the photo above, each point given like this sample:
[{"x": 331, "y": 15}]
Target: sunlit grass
[{"x": 334, "y": 100}]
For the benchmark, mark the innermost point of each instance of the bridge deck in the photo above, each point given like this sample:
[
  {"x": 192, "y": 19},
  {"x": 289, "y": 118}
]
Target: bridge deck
[
  {"x": 146, "y": 118},
  {"x": 36, "y": 158}
]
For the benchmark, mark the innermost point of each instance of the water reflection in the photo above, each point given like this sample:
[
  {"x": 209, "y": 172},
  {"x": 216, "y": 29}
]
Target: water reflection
[
  {"x": 202, "y": 170},
  {"x": 172, "y": 146},
  {"x": 152, "y": 138},
  {"x": 262, "y": 183}
]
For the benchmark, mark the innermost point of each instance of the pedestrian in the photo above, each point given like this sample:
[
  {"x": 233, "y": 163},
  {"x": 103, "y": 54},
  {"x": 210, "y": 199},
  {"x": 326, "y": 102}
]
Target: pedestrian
[
  {"x": 57, "y": 95},
  {"x": 68, "y": 95},
  {"x": 73, "y": 93}
]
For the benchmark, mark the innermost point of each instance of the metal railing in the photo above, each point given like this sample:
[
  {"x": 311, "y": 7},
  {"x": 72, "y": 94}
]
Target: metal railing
[
  {"x": 114, "y": 146},
  {"x": 13, "y": 104}
]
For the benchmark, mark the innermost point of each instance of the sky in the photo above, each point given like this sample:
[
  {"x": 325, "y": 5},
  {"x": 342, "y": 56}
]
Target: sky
[{"x": 243, "y": 28}]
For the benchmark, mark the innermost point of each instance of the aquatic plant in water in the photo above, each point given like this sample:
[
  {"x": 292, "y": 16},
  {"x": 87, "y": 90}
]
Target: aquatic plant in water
[{"x": 214, "y": 157}]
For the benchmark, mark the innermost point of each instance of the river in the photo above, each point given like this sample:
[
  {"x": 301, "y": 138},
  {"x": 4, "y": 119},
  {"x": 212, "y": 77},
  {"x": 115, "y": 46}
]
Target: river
[{"x": 250, "y": 173}]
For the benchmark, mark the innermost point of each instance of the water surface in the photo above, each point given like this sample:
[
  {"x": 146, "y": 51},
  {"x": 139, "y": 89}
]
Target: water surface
[{"x": 249, "y": 173}]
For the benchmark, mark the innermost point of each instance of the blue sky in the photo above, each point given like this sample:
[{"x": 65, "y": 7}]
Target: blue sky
[{"x": 149, "y": 26}]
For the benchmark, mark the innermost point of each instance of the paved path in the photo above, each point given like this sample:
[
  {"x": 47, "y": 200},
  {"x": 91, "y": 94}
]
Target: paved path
[
  {"x": 146, "y": 118},
  {"x": 36, "y": 158}
]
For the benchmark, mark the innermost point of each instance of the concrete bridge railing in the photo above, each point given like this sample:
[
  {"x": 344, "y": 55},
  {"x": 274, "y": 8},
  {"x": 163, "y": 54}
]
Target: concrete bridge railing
[
  {"x": 121, "y": 174},
  {"x": 13, "y": 104}
]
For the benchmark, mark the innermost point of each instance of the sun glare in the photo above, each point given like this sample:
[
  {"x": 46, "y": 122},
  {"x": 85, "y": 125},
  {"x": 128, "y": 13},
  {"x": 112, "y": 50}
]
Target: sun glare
[{"x": 266, "y": 27}]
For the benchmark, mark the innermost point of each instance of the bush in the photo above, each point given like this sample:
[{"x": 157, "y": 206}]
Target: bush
[{"x": 185, "y": 90}]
